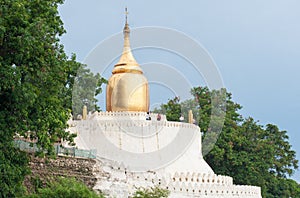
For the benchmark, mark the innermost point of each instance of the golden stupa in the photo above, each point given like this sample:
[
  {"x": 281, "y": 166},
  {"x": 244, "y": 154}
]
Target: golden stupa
[{"x": 127, "y": 88}]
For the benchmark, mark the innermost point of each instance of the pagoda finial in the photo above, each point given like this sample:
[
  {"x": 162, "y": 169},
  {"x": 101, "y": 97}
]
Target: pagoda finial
[
  {"x": 127, "y": 57},
  {"x": 126, "y": 14},
  {"x": 126, "y": 28}
]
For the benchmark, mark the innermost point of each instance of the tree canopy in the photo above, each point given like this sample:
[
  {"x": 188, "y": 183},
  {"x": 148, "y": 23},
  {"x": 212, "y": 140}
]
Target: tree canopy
[
  {"x": 33, "y": 72},
  {"x": 36, "y": 81},
  {"x": 86, "y": 87}
]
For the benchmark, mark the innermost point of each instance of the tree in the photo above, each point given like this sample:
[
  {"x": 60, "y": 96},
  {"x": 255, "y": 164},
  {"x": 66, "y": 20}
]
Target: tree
[
  {"x": 34, "y": 71},
  {"x": 172, "y": 109},
  {"x": 86, "y": 87},
  {"x": 35, "y": 84},
  {"x": 284, "y": 159},
  {"x": 239, "y": 152}
]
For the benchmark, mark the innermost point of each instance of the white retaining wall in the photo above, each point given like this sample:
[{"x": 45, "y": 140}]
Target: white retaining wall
[
  {"x": 114, "y": 134},
  {"x": 121, "y": 183}
]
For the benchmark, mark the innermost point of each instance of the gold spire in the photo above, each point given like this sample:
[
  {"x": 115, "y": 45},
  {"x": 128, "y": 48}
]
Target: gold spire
[
  {"x": 127, "y": 89},
  {"x": 127, "y": 58}
]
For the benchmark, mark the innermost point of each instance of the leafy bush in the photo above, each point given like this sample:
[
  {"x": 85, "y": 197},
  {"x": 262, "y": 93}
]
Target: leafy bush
[
  {"x": 13, "y": 168},
  {"x": 65, "y": 188},
  {"x": 155, "y": 192}
]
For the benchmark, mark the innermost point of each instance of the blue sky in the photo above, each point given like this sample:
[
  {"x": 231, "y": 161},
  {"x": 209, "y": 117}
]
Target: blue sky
[{"x": 255, "y": 44}]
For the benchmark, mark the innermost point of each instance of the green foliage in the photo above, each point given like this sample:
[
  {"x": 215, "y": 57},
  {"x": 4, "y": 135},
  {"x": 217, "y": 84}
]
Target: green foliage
[
  {"x": 281, "y": 187},
  {"x": 65, "y": 188},
  {"x": 155, "y": 192},
  {"x": 86, "y": 87},
  {"x": 36, "y": 80},
  {"x": 36, "y": 183},
  {"x": 283, "y": 157},
  {"x": 172, "y": 109},
  {"x": 252, "y": 154},
  {"x": 13, "y": 168},
  {"x": 33, "y": 72}
]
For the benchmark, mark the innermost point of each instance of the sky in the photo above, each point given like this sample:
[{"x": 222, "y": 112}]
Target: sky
[{"x": 254, "y": 44}]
